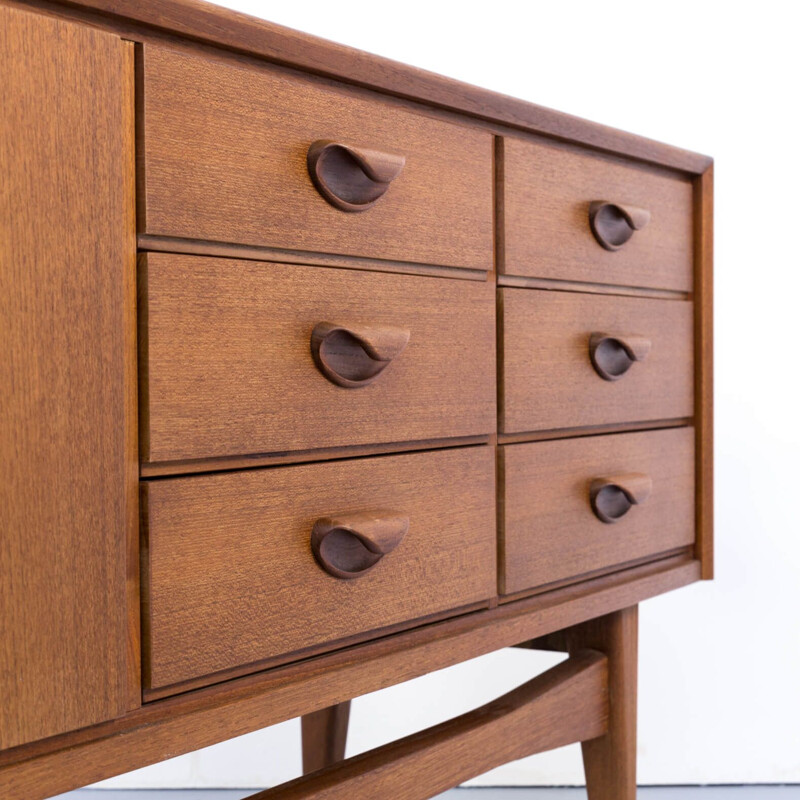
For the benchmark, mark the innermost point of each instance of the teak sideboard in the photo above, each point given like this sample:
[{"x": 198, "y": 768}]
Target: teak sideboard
[{"x": 320, "y": 373}]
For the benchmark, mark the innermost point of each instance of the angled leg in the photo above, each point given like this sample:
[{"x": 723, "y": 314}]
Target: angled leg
[
  {"x": 324, "y": 736},
  {"x": 568, "y": 703},
  {"x": 609, "y": 760}
]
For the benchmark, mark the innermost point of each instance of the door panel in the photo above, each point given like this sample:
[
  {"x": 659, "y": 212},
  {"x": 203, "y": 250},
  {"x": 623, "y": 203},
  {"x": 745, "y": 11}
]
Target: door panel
[{"x": 68, "y": 584}]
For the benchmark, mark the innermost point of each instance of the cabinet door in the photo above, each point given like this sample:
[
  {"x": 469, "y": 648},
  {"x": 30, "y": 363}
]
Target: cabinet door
[{"x": 68, "y": 581}]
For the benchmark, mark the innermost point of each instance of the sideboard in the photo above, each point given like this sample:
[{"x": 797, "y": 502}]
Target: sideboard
[{"x": 321, "y": 373}]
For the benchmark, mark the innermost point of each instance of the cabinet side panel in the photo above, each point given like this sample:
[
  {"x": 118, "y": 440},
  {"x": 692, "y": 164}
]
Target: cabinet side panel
[
  {"x": 704, "y": 367},
  {"x": 67, "y": 400}
]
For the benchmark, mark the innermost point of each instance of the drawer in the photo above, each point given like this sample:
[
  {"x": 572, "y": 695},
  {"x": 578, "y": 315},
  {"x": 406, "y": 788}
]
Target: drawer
[
  {"x": 230, "y": 575},
  {"x": 548, "y": 196},
  {"x": 225, "y": 158},
  {"x": 228, "y": 365},
  {"x": 550, "y": 530},
  {"x": 560, "y": 348}
]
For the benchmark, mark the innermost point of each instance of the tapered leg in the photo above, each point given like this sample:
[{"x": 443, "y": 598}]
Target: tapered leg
[
  {"x": 324, "y": 736},
  {"x": 610, "y": 760}
]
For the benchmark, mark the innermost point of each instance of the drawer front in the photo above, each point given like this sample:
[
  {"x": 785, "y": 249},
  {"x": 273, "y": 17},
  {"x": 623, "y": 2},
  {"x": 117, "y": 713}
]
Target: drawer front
[
  {"x": 225, "y": 159},
  {"x": 230, "y": 577},
  {"x": 229, "y": 367},
  {"x": 550, "y": 380},
  {"x": 548, "y": 192},
  {"x": 550, "y": 531}
]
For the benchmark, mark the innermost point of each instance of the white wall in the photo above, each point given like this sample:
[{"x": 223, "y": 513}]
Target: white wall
[{"x": 720, "y": 662}]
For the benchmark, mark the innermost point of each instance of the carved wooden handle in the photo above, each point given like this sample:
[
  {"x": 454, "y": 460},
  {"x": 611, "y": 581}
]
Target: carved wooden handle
[
  {"x": 613, "y": 497},
  {"x": 613, "y": 354},
  {"x": 351, "y": 178},
  {"x": 350, "y": 545},
  {"x": 354, "y": 355},
  {"x": 613, "y": 224}
]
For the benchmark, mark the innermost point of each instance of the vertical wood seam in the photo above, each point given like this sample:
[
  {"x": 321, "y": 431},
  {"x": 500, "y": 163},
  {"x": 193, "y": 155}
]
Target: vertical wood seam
[
  {"x": 131, "y": 421},
  {"x": 704, "y": 370}
]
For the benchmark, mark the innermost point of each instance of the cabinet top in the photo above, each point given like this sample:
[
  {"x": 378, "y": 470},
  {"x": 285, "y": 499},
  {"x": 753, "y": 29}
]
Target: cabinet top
[{"x": 205, "y": 22}]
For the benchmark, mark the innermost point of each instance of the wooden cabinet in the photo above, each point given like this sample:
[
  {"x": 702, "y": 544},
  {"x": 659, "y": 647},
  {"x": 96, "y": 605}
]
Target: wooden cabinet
[
  {"x": 321, "y": 373},
  {"x": 68, "y": 471}
]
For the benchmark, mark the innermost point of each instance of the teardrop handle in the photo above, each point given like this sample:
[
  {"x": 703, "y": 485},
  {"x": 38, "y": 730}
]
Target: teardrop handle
[
  {"x": 613, "y": 354},
  {"x": 613, "y": 497},
  {"x": 613, "y": 224},
  {"x": 351, "y": 178},
  {"x": 350, "y": 545},
  {"x": 355, "y": 355}
]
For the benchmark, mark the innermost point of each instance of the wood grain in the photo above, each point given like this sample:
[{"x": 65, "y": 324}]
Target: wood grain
[
  {"x": 166, "y": 244},
  {"x": 230, "y": 577},
  {"x": 198, "y": 719},
  {"x": 68, "y": 317},
  {"x": 227, "y": 367},
  {"x": 324, "y": 736},
  {"x": 687, "y": 551},
  {"x": 609, "y": 760},
  {"x": 224, "y": 158},
  {"x": 591, "y": 430},
  {"x": 318, "y": 650},
  {"x": 193, "y": 467},
  {"x": 588, "y": 288},
  {"x": 568, "y": 703},
  {"x": 704, "y": 377},
  {"x": 68, "y": 656},
  {"x": 547, "y": 194},
  {"x": 548, "y": 378},
  {"x": 549, "y": 531},
  {"x": 205, "y": 22}
]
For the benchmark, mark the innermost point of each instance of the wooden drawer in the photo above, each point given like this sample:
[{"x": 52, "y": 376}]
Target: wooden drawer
[
  {"x": 548, "y": 372},
  {"x": 224, "y": 158},
  {"x": 548, "y": 192},
  {"x": 229, "y": 367},
  {"x": 230, "y": 578},
  {"x": 549, "y": 529}
]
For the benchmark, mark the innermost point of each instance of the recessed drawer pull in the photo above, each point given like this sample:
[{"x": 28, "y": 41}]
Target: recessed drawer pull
[
  {"x": 613, "y": 224},
  {"x": 613, "y": 354},
  {"x": 354, "y": 355},
  {"x": 350, "y": 545},
  {"x": 613, "y": 497},
  {"x": 351, "y": 178}
]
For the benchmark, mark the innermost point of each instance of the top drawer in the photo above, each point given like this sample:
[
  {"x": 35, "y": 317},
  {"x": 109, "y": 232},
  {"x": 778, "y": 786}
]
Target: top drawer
[
  {"x": 548, "y": 194},
  {"x": 225, "y": 152}
]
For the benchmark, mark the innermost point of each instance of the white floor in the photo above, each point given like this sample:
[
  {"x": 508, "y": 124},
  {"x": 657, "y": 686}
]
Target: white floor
[{"x": 647, "y": 793}]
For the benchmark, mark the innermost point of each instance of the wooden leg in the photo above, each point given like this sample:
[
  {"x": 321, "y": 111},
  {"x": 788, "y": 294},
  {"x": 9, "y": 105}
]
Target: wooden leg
[
  {"x": 324, "y": 736},
  {"x": 610, "y": 760},
  {"x": 568, "y": 703}
]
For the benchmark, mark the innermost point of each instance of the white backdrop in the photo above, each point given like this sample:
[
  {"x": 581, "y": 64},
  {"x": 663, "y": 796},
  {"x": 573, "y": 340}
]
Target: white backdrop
[{"x": 720, "y": 662}]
